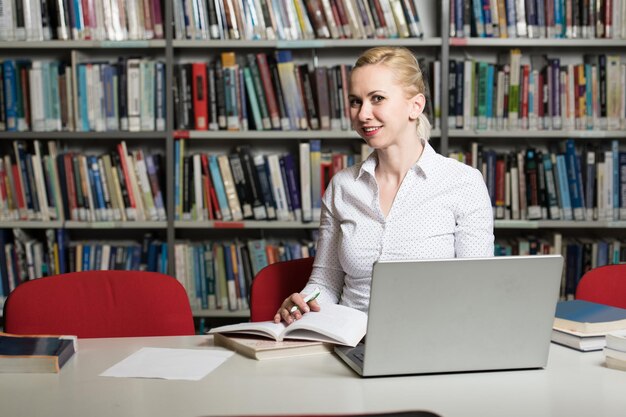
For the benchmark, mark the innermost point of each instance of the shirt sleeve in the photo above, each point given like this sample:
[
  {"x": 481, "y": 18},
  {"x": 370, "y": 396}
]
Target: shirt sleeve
[
  {"x": 327, "y": 271},
  {"x": 474, "y": 219}
]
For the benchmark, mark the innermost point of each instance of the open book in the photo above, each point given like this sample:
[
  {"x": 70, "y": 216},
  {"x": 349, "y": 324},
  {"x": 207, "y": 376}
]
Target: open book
[
  {"x": 333, "y": 324},
  {"x": 259, "y": 348}
]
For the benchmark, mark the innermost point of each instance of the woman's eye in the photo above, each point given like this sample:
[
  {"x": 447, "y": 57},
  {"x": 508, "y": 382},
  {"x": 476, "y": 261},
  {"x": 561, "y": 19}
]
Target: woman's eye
[
  {"x": 377, "y": 99},
  {"x": 355, "y": 103}
]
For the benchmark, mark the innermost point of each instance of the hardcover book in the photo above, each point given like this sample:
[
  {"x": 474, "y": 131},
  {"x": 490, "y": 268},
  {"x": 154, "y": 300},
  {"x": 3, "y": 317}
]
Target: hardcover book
[
  {"x": 578, "y": 342},
  {"x": 587, "y": 318},
  {"x": 35, "y": 353}
]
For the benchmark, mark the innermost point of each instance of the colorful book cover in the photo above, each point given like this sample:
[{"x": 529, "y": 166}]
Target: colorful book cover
[{"x": 588, "y": 317}]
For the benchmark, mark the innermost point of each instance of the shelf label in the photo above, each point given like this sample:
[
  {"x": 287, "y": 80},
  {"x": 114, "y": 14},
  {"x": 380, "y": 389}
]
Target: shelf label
[
  {"x": 181, "y": 134},
  {"x": 458, "y": 41},
  {"x": 228, "y": 225}
]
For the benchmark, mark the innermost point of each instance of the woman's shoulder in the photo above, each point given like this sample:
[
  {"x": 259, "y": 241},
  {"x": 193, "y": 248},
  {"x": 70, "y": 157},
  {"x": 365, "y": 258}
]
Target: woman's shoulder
[
  {"x": 454, "y": 169},
  {"x": 347, "y": 175}
]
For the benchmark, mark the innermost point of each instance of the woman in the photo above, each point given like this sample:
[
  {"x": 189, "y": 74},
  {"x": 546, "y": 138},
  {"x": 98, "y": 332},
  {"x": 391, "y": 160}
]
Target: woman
[{"x": 404, "y": 201}]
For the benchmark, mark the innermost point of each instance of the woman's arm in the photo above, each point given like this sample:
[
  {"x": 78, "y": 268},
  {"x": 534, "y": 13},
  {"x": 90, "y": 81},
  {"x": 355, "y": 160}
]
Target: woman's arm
[
  {"x": 327, "y": 272},
  {"x": 474, "y": 219}
]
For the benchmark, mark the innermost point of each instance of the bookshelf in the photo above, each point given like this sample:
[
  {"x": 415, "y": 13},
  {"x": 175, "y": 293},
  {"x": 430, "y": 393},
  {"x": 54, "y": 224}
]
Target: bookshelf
[{"x": 436, "y": 44}]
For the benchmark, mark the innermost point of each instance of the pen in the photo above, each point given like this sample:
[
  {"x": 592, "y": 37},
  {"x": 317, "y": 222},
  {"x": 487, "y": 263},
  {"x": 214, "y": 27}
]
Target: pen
[{"x": 316, "y": 292}]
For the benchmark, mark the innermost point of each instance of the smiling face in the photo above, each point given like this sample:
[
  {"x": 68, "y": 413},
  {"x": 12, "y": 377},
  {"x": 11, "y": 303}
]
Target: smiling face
[{"x": 380, "y": 109}]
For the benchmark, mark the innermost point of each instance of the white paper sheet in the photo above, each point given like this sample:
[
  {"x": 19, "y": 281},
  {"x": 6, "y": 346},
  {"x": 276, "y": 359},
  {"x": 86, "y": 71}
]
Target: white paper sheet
[{"x": 187, "y": 364}]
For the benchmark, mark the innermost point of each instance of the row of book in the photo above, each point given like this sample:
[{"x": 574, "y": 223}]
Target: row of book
[
  {"x": 266, "y": 92},
  {"x": 115, "y": 186},
  {"x": 588, "y": 183},
  {"x": 239, "y": 185},
  {"x": 218, "y": 275},
  {"x": 297, "y": 19},
  {"x": 571, "y": 19},
  {"x": 208, "y": 269},
  {"x": 580, "y": 254},
  {"x": 542, "y": 94},
  {"x": 567, "y": 184},
  {"x": 24, "y": 257},
  {"x": 115, "y": 20},
  {"x": 48, "y": 95}
]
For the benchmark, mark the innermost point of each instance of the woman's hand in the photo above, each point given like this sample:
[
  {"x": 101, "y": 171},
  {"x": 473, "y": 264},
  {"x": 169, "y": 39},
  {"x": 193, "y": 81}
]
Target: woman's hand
[{"x": 297, "y": 300}]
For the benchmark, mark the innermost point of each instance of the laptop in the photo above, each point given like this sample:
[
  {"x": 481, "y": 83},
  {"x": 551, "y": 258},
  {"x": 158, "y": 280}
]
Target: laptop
[{"x": 458, "y": 315}]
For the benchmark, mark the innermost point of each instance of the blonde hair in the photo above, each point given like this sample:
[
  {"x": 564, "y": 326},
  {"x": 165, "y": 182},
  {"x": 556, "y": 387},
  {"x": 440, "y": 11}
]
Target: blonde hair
[{"x": 406, "y": 69}]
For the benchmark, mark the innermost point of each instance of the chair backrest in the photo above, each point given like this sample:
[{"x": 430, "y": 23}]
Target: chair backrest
[
  {"x": 100, "y": 304},
  {"x": 276, "y": 282},
  {"x": 604, "y": 285}
]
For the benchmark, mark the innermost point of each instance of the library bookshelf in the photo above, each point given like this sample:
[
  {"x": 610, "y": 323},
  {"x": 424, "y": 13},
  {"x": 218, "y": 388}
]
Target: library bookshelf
[{"x": 438, "y": 43}]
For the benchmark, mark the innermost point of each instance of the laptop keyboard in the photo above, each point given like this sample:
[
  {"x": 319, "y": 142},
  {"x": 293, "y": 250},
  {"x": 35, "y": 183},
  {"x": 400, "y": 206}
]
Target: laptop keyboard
[{"x": 358, "y": 354}]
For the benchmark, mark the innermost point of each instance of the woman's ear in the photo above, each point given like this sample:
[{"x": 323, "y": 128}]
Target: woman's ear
[{"x": 417, "y": 102}]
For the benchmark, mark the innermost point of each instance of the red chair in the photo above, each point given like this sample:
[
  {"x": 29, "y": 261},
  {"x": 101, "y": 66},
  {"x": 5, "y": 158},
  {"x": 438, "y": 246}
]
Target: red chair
[
  {"x": 276, "y": 282},
  {"x": 100, "y": 304},
  {"x": 604, "y": 285}
]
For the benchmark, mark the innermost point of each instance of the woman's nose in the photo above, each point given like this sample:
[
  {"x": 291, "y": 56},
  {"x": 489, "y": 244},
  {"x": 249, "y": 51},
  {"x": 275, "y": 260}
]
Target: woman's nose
[{"x": 365, "y": 112}]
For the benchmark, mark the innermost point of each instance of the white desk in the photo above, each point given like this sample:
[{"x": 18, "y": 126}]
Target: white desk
[{"x": 573, "y": 384}]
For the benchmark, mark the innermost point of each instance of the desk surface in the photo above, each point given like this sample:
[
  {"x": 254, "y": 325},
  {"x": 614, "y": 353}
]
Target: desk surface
[{"x": 573, "y": 384}]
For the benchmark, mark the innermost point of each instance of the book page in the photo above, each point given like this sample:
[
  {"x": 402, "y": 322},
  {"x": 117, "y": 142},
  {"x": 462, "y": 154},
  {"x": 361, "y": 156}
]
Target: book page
[
  {"x": 333, "y": 323},
  {"x": 262, "y": 328}
]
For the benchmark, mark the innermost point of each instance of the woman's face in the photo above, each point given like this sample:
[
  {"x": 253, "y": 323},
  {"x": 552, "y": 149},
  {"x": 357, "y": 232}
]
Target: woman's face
[{"x": 380, "y": 111}]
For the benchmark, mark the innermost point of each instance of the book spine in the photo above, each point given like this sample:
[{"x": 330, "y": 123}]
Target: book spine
[
  {"x": 278, "y": 187},
  {"x": 292, "y": 184},
  {"x": 242, "y": 186},
  {"x": 197, "y": 211},
  {"x": 131, "y": 209},
  {"x": 148, "y": 83},
  {"x": 218, "y": 184},
  {"x": 133, "y": 76},
  {"x": 160, "y": 99},
  {"x": 155, "y": 186},
  {"x": 258, "y": 83},
  {"x": 199, "y": 91},
  {"x": 229, "y": 188},
  {"x": 97, "y": 187},
  {"x": 305, "y": 181},
  {"x": 143, "y": 185},
  {"x": 265, "y": 186},
  {"x": 210, "y": 199},
  {"x": 253, "y": 99},
  {"x": 316, "y": 184},
  {"x": 252, "y": 180}
]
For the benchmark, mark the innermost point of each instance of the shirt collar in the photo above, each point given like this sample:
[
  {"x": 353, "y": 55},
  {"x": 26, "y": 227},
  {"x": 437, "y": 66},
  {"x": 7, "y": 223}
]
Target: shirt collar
[{"x": 423, "y": 166}]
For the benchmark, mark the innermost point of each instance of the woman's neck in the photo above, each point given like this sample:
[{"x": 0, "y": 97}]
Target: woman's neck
[{"x": 395, "y": 161}]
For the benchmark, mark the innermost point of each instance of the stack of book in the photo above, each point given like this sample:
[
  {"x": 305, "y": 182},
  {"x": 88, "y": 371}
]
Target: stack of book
[
  {"x": 583, "y": 325},
  {"x": 615, "y": 350}
]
